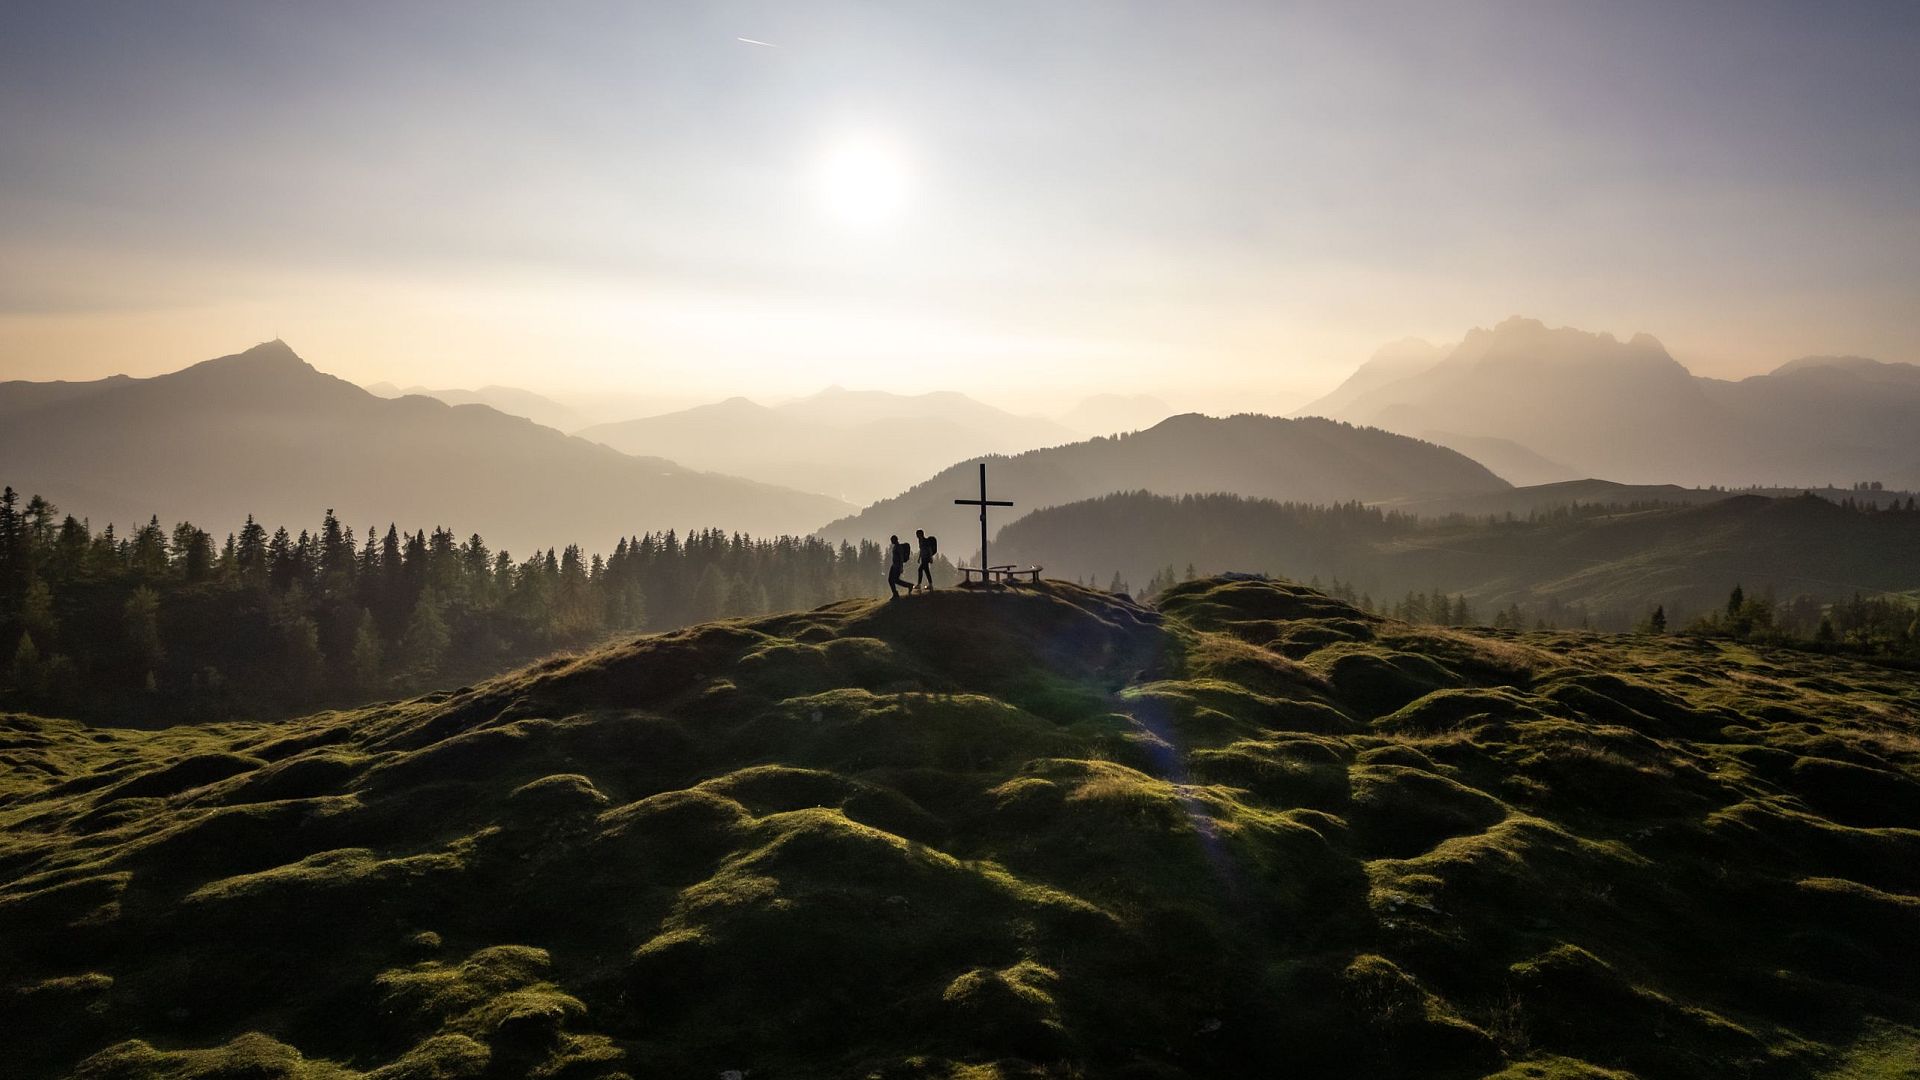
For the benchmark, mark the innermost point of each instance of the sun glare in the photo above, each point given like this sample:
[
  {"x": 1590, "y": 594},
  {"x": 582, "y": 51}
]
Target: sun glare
[{"x": 862, "y": 180}]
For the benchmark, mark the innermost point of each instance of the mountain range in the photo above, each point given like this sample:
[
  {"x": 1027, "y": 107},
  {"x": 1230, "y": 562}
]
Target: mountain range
[
  {"x": 859, "y": 445},
  {"x": 263, "y": 433},
  {"x": 1628, "y": 411},
  {"x": 507, "y": 399},
  {"x": 1309, "y": 460}
]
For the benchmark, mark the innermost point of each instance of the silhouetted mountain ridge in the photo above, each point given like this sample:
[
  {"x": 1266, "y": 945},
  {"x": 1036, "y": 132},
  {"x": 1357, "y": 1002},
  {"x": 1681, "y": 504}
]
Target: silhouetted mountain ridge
[
  {"x": 858, "y": 444},
  {"x": 1313, "y": 460},
  {"x": 1629, "y": 411},
  {"x": 264, "y": 432},
  {"x": 507, "y": 399}
]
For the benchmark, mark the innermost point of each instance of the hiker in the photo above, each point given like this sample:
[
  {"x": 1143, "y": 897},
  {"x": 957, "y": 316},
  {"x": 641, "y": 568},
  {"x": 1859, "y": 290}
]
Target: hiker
[
  {"x": 929, "y": 547},
  {"x": 897, "y": 555}
]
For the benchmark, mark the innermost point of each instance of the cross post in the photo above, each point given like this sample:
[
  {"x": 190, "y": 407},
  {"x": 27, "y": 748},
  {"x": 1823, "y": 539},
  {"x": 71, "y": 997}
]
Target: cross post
[{"x": 982, "y": 502}]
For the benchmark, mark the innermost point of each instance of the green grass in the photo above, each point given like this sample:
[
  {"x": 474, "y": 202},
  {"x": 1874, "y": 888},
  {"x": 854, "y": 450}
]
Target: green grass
[{"x": 1250, "y": 832}]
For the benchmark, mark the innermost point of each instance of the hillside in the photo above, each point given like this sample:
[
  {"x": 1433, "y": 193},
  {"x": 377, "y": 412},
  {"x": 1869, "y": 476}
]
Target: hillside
[
  {"x": 1628, "y": 411},
  {"x": 19, "y": 396},
  {"x": 1310, "y": 460},
  {"x": 1616, "y": 563},
  {"x": 1052, "y": 833},
  {"x": 263, "y": 433},
  {"x": 1540, "y": 498},
  {"x": 857, "y": 445},
  {"x": 1504, "y": 458},
  {"x": 507, "y": 399},
  {"x": 1561, "y": 495}
]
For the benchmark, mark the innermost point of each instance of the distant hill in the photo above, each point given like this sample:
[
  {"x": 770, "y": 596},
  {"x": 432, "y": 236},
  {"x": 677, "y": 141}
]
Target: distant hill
[
  {"x": 1541, "y": 498},
  {"x": 19, "y": 396},
  {"x": 1629, "y": 412},
  {"x": 1507, "y": 459},
  {"x": 858, "y": 445},
  {"x": 1111, "y": 414},
  {"x": 1248, "y": 832},
  {"x": 262, "y": 432},
  {"x": 1310, "y": 460},
  {"x": 507, "y": 399},
  {"x": 1617, "y": 564}
]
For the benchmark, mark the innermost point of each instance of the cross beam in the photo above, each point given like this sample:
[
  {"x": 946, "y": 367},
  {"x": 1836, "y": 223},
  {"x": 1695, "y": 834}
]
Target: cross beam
[{"x": 982, "y": 502}]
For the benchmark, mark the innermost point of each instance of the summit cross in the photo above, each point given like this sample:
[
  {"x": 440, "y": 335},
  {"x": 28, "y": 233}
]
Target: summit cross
[{"x": 982, "y": 502}]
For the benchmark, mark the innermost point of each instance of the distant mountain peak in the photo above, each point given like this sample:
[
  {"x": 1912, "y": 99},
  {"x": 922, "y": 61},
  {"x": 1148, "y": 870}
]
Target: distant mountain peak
[
  {"x": 1519, "y": 342},
  {"x": 272, "y": 350},
  {"x": 1837, "y": 363},
  {"x": 275, "y": 357},
  {"x": 1519, "y": 324}
]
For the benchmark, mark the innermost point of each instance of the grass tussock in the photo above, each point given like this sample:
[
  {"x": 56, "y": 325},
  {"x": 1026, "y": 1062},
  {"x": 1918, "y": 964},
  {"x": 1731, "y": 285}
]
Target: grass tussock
[{"x": 1047, "y": 833}]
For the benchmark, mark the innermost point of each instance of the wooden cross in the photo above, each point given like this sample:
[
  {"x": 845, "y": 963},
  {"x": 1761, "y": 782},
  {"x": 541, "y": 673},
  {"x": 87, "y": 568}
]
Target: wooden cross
[{"x": 982, "y": 502}]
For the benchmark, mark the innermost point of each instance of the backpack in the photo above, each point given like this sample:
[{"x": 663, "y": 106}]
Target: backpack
[
  {"x": 902, "y": 553},
  {"x": 930, "y": 548}
]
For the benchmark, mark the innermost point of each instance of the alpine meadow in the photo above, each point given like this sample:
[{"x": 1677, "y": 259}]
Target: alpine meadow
[{"x": 790, "y": 542}]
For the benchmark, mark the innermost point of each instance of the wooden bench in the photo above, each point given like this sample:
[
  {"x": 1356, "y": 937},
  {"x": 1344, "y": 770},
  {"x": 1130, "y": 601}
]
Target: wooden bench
[{"x": 974, "y": 576}]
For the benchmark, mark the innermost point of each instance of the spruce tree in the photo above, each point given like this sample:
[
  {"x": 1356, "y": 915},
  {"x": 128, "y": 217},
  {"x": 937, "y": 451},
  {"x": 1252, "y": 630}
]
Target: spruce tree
[
  {"x": 141, "y": 619},
  {"x": 26, "y": 666},
  {"x": 424, "y": 646},
  {"x": 36, "y": 612},
  {"x": 364, "y": 662},
  {"x": 710, "y": 596}
]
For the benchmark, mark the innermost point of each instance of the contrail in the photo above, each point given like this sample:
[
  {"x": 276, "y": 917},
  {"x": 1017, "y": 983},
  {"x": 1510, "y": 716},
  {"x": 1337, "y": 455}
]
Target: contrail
[{"x": 752, "y": 41}]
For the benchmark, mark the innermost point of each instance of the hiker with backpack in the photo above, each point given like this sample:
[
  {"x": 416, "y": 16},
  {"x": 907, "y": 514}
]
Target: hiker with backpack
[
  {"x": 929, "y": 547},
  {"x": 897, "y": 556}
]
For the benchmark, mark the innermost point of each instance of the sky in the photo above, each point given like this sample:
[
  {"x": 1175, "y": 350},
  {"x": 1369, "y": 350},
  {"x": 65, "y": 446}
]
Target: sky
[{"x": 1228, "y": 205}]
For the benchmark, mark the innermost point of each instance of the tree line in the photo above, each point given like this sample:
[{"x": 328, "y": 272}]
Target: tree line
[{"x": 161, "y": 625}]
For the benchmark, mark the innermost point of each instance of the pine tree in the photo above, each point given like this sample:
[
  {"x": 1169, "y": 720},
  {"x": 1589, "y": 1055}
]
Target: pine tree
[
  {"x": 282, "y": 560},
  {"x": 149, "y": 553},
  {"x": 424, "y": 646},
  {"x": 13, "y": 548},
  {"x": 251, "y": 552},
  {"x": 1734, "y": 600},
  {"x": 710, "y": 596},
  {"x": 299, "y": 659},
  {"x": 39, "y": 529},
  {"x": 26, "y": 666},
  {"x": 70, "y": 551},
  {"x": 141, "y": 618},
  {"x": 1658, "y": 621},
  {"x": 744, "y": 598},
  {"x": 36, "y": 611},
  {"x": 364, "y": 661}
]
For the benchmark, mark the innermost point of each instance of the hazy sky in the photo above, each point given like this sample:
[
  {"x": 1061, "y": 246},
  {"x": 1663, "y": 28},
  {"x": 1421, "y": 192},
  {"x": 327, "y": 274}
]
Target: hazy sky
[{"x": 1225, "y": 204}]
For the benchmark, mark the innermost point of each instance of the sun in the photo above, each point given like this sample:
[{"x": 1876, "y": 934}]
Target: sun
[{"x": 862, "y": 180}]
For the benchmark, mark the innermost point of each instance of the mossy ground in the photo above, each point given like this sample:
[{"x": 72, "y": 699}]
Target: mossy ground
[{"x": 1252, "y": 832}]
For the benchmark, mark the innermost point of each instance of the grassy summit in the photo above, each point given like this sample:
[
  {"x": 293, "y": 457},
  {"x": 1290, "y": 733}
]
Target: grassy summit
[{"x": 1254, "y": 832}]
